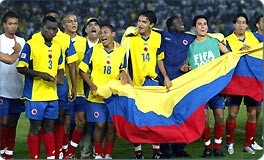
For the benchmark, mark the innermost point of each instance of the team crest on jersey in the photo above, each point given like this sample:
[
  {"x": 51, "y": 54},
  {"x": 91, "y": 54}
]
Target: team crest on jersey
[
  {"x": 96, "y": 114},
  {"x": 1, "y": 101},
  {"x": 185, "y": 42},
  {"x": 50, "y": 56},
  {"x": 34, "y": 111},
  {"x": 145, "y": 49},
  {"x": 108, "y": 62}
]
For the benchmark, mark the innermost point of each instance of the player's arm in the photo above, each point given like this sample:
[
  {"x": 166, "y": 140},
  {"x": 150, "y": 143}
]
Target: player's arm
[
  {"x": 60, "y": 71},
  {"x": 23, "y": 66},
  {"x": 71, "y": 59},
  {"x": 161, "y": 55},
  {"x": 45, "y": 76},
  {"x": 124, "y": 77},
  {"x": 10, "y": 59},
  {"x": 185, "y": 67},
  {"x": 167, "y": 81},
  {"x": 223, "y": 48},
  {"x": 84, "y": 68}
]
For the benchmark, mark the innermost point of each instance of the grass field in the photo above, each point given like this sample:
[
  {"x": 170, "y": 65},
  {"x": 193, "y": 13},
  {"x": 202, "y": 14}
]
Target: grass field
[{"x": 124, "y": 149}]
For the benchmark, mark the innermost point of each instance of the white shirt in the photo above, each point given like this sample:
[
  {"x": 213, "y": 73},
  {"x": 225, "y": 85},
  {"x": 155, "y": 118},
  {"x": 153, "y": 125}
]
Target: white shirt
[{"x": 11, "y": 83}]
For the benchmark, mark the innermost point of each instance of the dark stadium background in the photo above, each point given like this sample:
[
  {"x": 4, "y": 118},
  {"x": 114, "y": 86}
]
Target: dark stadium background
[{"x": 122, "y": 14}]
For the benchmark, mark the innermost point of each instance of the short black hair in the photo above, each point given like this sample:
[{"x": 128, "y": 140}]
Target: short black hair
[
  {"x": 150, "y": 15},
  {"x": 111, "y": 27},
  {"x": 52, "y": 11},
  {"x": 9, "y": 14},
  {"x": 240, "y": 15},
  {"x": 170, "y": 21},
  {"x": 258, "y": 19},
  {"x": 48, "y": 18},
  {"x": 198, "y": 17}
]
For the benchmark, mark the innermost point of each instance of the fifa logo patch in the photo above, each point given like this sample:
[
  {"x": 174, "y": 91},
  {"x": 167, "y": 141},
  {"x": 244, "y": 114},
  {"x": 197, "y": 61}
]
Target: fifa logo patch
[
  {"x": 23, "y": 55},
  {"x": 1, "y": 101},
  {"x": 96, "y": 114},
  {"x": 34, "y": 111}
]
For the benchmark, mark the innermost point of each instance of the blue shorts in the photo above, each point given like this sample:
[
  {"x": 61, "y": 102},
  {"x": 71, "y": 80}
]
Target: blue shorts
[
  {"x": 40, "y": 110},
  {"x": 217, "y": 102},
  {"x": 97, "y": 112},
  {"x": 11, "y": 107},
  {"x": 63, "y": 90},
  {"x": 63, "y": 105},
  {"x": 78, "y": 105},
  {"x": 233, "y": 100},
  {"x": 150, "y": 82}
]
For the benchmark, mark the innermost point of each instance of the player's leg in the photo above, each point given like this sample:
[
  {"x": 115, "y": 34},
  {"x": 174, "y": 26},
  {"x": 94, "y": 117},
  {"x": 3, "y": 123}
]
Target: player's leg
[
  {"x": 251, "y": 125},
  {"x": 178, "y": 150},
  {"x": 218, "y": 106},
  {"x": 255, "y": 145},
  {"x": 16, "y": 107},
  {"x": 165, "y": 149},
  {"x": 80, "y": 119},
  {"x": 69, "y": 114},
  {"x": 233, "y": 104},
  {"x": 50, "y": 115},
  {"x": 59, "y": 127},
  {"x": 85, "y": 142},
  {"x": 109, "y": 137},
  {"x": 34, "y": 111},
  {"x": 33, "y": 140},
  {"x": 206, "y": 135},
  {"x": 4, "y": 117}
]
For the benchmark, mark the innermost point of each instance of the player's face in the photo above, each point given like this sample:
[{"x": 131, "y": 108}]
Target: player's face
[
  {"x": 201, "y": 27},
  {"x": 260, "y": 24},
  {"x": 49, "y": 30},
  {"x": 178, "y": 24},
  {"x": 107, "y": 36},
  {"x": 92, "y": 30},
  {"x": 241, "y": 25},
  {"x": 144, "y": 25},
  {"x": 70, "y": 23},
  {"x": 11, "y": 25}
]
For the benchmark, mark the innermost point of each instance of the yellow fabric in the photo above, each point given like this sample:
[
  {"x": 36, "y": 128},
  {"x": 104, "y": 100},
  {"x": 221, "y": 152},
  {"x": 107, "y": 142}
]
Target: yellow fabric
[
  {"x": 44, "y": 59},
  {"x": 80, "y": 47},
  {"x": 105, "y": 67},
  {"x": 236, "y": 44},
  {"x": 144, "y": 53},
  {"x": 153, "y": 98}
]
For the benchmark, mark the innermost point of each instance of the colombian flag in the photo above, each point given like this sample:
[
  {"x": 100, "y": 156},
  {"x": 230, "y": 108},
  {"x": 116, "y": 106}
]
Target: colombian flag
[{"x": 152, "y": 114}]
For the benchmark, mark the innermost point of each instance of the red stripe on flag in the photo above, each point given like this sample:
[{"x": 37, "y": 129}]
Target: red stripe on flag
[{"x": 187, "y": 132}]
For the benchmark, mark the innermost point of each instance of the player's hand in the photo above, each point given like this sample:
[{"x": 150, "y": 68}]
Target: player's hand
[
  {"x": 185, "y": 68},
  {"x": 123, "y": 77},
  {"x": 167, "y": 82},
  {"x": 17, "y": 47},
  {"x": 73, "y": 95},
  {"x": 93, "y": 88},
  {"x": 245, "y": 47},
  {"x": 47, "y": 77}
]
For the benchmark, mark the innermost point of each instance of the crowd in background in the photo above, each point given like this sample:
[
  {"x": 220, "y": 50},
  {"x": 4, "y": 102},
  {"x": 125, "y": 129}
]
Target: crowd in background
[{"x": 122, "y": 14}]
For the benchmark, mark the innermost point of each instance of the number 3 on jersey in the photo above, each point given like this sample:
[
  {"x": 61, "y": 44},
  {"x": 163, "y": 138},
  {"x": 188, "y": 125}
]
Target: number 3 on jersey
[
  {"x": 107, "y": 69},
  {"x": 145, "y": 57},
  {"x": 50, "y": 64}
]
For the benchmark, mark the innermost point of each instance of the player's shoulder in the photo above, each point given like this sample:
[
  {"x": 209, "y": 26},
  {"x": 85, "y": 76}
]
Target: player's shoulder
[
  {"x": 119, "y": 47},
  {"x": 80, "y": 38}
]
